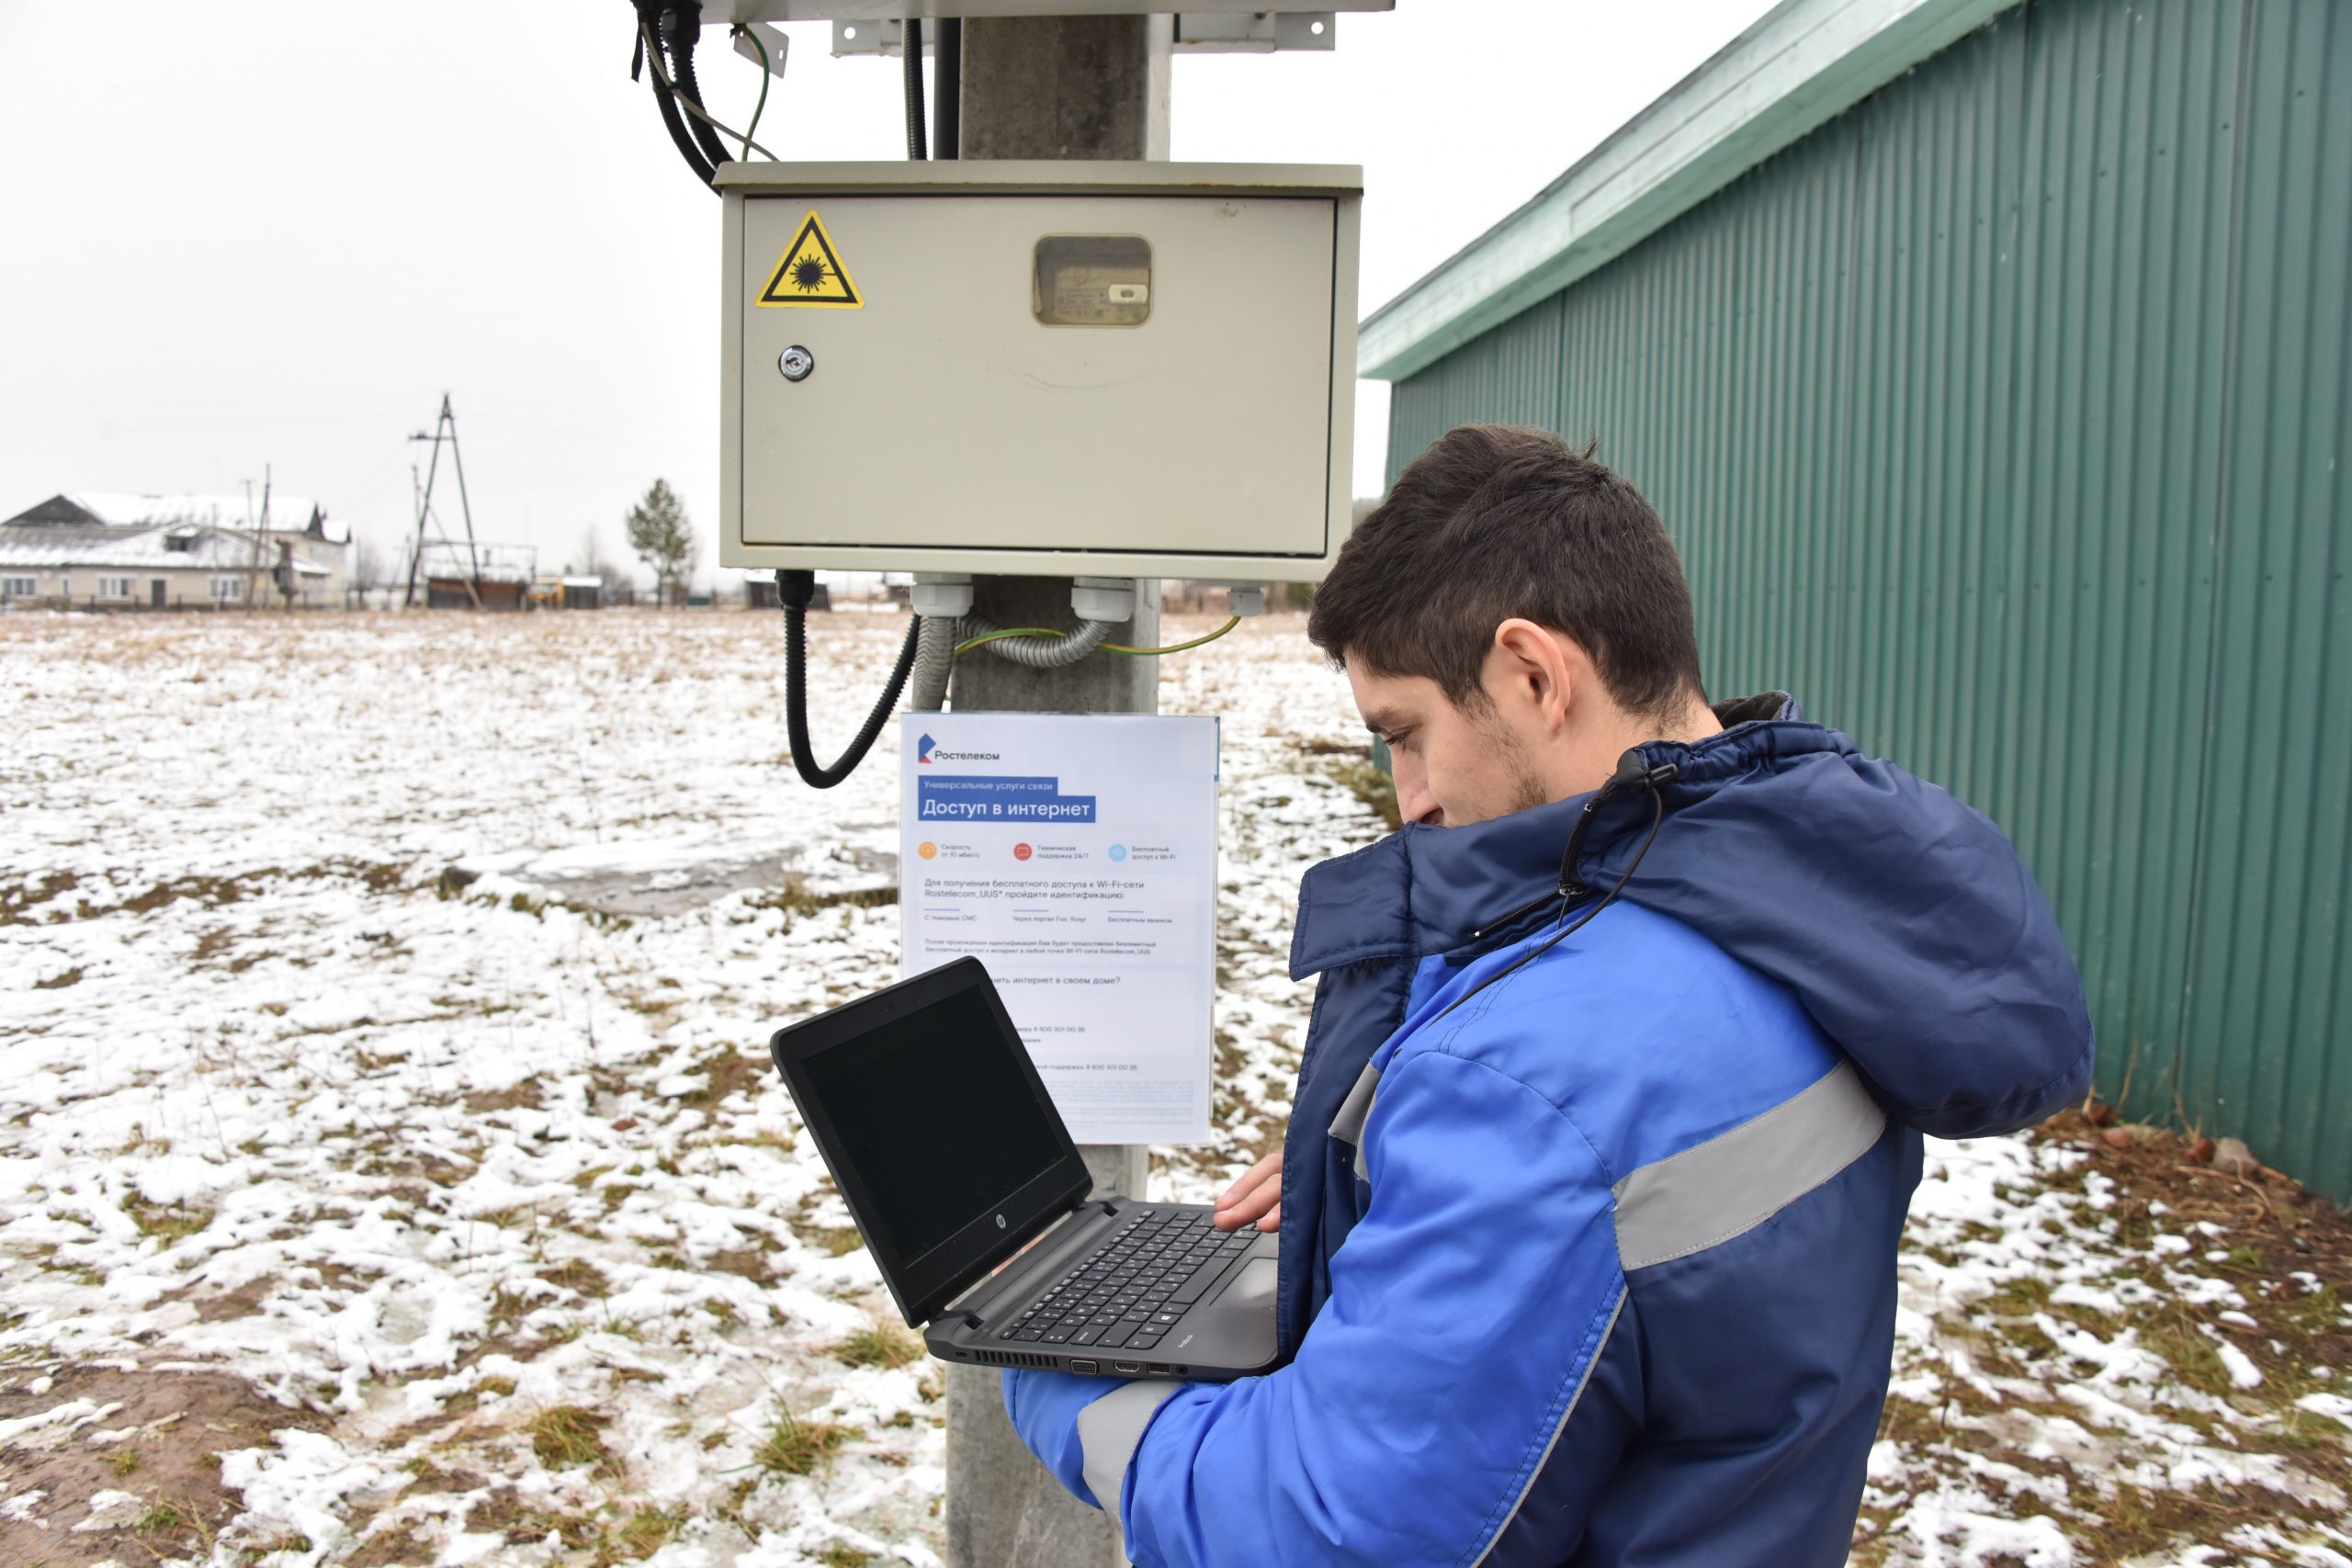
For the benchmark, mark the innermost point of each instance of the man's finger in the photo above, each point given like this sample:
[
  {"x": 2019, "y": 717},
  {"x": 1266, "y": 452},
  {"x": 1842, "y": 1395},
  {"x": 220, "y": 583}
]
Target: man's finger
[
  {"x": 1252, "y": 1203},
  {"x": 1251, "y": 1180},
  {"x": 1266, "y": 1199}
]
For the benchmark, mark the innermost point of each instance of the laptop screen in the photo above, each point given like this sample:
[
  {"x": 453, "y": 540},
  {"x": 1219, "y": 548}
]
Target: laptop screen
[{"x": 935, "y": 1120}]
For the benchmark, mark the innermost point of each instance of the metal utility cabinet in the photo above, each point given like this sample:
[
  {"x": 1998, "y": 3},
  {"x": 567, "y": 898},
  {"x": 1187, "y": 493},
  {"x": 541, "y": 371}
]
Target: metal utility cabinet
[{"x": 1121, "y": 370}]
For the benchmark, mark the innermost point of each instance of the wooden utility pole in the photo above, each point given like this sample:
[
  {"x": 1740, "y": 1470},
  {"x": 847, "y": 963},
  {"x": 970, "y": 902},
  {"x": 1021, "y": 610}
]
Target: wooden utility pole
[
  {"x": 252, "y": 544},
  {"x": 1050, "y": 88}
]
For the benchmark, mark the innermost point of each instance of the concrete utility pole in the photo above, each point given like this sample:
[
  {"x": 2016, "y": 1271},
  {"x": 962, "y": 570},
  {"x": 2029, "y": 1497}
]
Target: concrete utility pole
[{"x": 1050, "y": 88}]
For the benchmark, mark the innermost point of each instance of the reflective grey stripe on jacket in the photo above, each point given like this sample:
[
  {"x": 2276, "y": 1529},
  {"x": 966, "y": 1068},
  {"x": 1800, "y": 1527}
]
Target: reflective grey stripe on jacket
[
  {"x": 1108, "y": 1431},
  {"x": 1356, "y": 1110},
  {"x": 1735, "y": 1182}
]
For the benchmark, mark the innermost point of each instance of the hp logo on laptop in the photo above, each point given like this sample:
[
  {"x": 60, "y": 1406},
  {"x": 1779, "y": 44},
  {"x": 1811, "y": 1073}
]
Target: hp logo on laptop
[{"x": 999, "y": 1221}]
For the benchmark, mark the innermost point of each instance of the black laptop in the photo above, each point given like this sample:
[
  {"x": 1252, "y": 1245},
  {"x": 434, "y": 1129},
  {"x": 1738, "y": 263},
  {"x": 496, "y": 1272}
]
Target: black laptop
[{"x": 938, "y": 1133}]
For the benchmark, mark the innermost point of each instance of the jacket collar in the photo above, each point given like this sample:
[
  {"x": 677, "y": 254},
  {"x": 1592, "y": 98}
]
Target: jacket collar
[{"x": 1424, "y": 890}]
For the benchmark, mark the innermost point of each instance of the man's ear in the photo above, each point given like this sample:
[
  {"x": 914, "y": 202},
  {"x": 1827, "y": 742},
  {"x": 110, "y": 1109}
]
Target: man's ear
[{"x": 1528, "y": 665}]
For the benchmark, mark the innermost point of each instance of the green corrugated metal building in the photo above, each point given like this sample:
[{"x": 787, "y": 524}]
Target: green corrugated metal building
[{"x": 1988, "y": 361}]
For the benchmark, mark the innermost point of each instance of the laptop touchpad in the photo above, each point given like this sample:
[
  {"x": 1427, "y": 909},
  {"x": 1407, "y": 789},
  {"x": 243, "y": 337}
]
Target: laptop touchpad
[{"x": 1253, "y": 1286}]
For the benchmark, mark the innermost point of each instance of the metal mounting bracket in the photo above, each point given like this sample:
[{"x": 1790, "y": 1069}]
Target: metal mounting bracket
[{"x": 1250, "y": 33}]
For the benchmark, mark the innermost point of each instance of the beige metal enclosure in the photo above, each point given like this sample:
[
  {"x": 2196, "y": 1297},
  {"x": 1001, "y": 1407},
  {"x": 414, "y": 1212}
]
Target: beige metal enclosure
[{"x": 1119, "y": 369}]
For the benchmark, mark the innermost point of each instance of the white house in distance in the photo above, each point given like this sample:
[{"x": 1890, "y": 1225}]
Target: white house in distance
[{"x": 108, "y": 551}]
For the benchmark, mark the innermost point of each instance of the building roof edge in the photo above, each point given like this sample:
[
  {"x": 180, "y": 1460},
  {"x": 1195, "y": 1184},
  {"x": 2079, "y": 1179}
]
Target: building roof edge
[{"x": 1799, "y": 66}]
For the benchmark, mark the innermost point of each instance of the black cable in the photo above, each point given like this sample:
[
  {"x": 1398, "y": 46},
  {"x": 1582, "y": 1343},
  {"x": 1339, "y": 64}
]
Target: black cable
[
  {"x": 911, "y": 36},
  {"x": 795, "y": 589},
  {"x": 1631, "y": 772},
  {"x": 683, "y": 29},
  {"x": 947, "y": 89},
  {"x": 649, "y": 16}
]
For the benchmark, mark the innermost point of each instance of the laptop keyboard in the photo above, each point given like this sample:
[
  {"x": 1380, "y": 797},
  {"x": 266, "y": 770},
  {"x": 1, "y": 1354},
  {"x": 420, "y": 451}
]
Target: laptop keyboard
[{"x": 1130, "y": 1292}]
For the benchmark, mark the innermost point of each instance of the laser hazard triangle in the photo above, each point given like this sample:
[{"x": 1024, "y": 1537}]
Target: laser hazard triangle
[{"x": 811, "y": 273}]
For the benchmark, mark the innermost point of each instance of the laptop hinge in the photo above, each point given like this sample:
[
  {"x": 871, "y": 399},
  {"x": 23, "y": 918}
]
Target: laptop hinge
[{"x": 967, "y": 1305}]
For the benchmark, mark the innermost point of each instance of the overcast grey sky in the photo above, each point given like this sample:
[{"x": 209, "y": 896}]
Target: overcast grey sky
[{"x": 240, "y": 233}]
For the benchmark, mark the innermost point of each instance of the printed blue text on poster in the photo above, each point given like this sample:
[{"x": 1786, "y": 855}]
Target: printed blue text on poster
[{"x": 980, "y": 798}]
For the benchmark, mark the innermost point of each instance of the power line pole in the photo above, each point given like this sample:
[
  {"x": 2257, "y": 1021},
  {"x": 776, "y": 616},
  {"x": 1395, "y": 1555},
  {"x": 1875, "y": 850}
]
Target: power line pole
[
  {"x": 1048, "y": 87},
  {"x": 448, "y": 419}
]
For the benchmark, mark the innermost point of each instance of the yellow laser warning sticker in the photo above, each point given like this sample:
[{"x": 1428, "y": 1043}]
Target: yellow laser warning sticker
[{"x": 811, "y": 273}]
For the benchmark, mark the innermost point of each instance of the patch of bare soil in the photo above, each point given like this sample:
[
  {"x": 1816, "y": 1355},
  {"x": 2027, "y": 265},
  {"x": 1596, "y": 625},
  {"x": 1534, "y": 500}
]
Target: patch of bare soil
[
  {"x": 2281, "y": 1238},
  {"x": 220, "y": 1307},
  {"x": 162, "y": 1435},
  {"x": 730, "y": 1071},
  {"x": 2287, "y": 1251},
  {"x": 745, "y": 1263},
  {"x": 524, "y": 1096},
  {"x": 2225, "y": 1287},
  {"x": 398, "y": 1547}
]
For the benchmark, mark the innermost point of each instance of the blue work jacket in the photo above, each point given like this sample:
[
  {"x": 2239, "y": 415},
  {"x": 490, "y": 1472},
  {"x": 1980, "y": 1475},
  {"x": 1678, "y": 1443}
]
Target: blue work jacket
[{"x": 1598, "y": 1265}]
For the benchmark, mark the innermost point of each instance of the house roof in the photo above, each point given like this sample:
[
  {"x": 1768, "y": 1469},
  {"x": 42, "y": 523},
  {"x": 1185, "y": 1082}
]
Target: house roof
[
  {"x": 113, "y": 509},
  {"x": 39, "y": 547},
  {"x": 1801, "y": 65}
]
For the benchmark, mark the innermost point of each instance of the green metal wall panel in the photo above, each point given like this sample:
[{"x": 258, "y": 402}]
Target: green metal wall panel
[
  {"x": 2000, "y": 420},
  {"x": 2267, "y": 1042},
  {"x": 1510, "y": 376}
]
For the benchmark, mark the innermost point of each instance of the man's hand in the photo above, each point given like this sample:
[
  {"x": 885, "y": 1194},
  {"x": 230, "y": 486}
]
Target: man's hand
[{"x": 1258, "y": 1196}]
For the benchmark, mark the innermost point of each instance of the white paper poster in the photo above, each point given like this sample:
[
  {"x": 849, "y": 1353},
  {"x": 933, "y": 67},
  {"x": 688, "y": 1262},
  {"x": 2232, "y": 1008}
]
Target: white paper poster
[{"x": 1075, "y": 855}]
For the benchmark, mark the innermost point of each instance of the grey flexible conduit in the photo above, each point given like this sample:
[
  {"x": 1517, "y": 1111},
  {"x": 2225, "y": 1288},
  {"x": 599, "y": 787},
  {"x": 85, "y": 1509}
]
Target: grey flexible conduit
[
  {"x": 1039, "y": 652},
  {"x": 934, "y": 657}
]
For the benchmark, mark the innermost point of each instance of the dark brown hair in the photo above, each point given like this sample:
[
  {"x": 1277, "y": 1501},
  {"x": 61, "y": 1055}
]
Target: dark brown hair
[{"x": 1494, "y": 522}]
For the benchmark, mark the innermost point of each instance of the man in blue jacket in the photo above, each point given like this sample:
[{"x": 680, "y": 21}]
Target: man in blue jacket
[{"x": 1610, "y": 1104}]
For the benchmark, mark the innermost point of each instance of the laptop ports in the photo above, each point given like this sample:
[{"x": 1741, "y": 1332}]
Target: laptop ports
[
  {"x": 1130, "y": 1367},
  {"x": 1088, "y": 1367}
]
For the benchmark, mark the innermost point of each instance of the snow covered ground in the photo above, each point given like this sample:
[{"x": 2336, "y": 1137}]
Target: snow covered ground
[{"x": 390, "y": 1170}]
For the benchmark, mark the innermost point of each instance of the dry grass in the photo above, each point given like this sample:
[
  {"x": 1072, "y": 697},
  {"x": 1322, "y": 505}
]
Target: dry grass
[
  {"x": 732, "y": 1072},
  {"x": 881, "y": 1345},
  {"x": 793, "y": 1446},
  {"x": 645, "y": 1532},
  {"x": 834, "y": 1241},
  {"x": 2282, "y": 1250},
  {"x": 578, "y": 1274},
  {"x": 169, "y": 1222},
  {"x": 566, "y": 1435}
]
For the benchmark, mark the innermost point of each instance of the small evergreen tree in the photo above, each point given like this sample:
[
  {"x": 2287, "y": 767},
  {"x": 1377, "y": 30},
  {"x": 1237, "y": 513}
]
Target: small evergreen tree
[{"x": 661, "y": 537}]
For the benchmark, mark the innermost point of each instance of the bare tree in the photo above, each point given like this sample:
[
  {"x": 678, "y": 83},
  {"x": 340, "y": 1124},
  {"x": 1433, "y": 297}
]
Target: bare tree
[
  {"x": 595, "y": 563},
  {"x": 368, "y": 572}
]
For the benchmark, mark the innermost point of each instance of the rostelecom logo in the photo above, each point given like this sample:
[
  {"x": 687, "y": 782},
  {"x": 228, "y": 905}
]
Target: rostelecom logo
[{"x": 928, "y": 751}]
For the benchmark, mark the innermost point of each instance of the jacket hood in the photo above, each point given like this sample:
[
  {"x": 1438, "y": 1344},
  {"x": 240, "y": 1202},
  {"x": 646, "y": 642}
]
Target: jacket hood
[{"x": 1902, "y": 919}]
